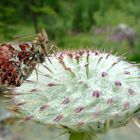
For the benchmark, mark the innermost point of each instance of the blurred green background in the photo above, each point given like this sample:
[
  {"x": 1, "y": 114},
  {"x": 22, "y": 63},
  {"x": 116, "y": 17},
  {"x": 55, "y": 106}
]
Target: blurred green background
[
  {"x": 105, "y": 24},
  {"x": 71, "y": 24}
]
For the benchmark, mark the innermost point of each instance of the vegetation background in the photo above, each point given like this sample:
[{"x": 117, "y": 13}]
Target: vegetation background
[
  {"x": 75, "y": 23},
  {"x": 71, "y": 24}
]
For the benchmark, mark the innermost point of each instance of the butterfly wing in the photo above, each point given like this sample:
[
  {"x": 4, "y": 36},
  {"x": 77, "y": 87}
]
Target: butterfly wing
[{"x": 16, "y": 63}]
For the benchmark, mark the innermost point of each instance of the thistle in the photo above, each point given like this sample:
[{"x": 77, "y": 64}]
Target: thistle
[{"x": 84, "y": 92}]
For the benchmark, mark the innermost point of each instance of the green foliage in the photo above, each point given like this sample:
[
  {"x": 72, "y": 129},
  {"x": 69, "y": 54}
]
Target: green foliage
[
  {"x": 71, "y": 23},
  {"x": 56, "y": 27},
  {"x": 83, "y": 15},
  {"x": 113, "y": 18}
]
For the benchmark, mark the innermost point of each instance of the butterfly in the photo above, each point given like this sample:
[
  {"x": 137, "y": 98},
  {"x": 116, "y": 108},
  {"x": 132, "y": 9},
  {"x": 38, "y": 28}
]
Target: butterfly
[{"x": 18, "y": 60}]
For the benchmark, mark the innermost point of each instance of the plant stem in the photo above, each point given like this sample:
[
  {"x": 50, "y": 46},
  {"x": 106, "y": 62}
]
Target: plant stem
[
  {"x": 81, "y": 136},
  {"x": 76, "y": 136}
]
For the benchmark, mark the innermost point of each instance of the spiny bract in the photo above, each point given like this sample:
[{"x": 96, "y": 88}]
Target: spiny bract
[{"x": 81, "y": 90}]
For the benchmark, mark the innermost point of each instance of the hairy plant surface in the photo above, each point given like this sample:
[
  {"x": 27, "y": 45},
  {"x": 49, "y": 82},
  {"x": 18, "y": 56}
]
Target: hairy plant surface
[{"x": 82, "y": 91}]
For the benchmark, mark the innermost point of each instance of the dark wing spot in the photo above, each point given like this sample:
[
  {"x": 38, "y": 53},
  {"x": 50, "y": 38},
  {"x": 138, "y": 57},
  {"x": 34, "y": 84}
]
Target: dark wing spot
[
  {"x": 4, "y": 70},
  {"x": 9, "y": 74}
]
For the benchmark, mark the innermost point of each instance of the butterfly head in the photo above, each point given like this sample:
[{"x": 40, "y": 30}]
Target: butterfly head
[{"x": 40, "y": 45}]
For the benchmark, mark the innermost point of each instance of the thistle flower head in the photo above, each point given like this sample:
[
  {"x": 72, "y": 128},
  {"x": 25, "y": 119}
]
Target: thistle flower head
[{"x": 82, "y": 91}]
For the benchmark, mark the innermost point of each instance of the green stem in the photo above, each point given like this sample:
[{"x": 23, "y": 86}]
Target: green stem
[
  {"x": 81, "y": 136},
  {"x": 76, "y": 136}
]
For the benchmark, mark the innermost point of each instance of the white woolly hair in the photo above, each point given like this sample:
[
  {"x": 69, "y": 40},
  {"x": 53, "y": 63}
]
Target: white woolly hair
[{"x": 81, "y": 91}]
